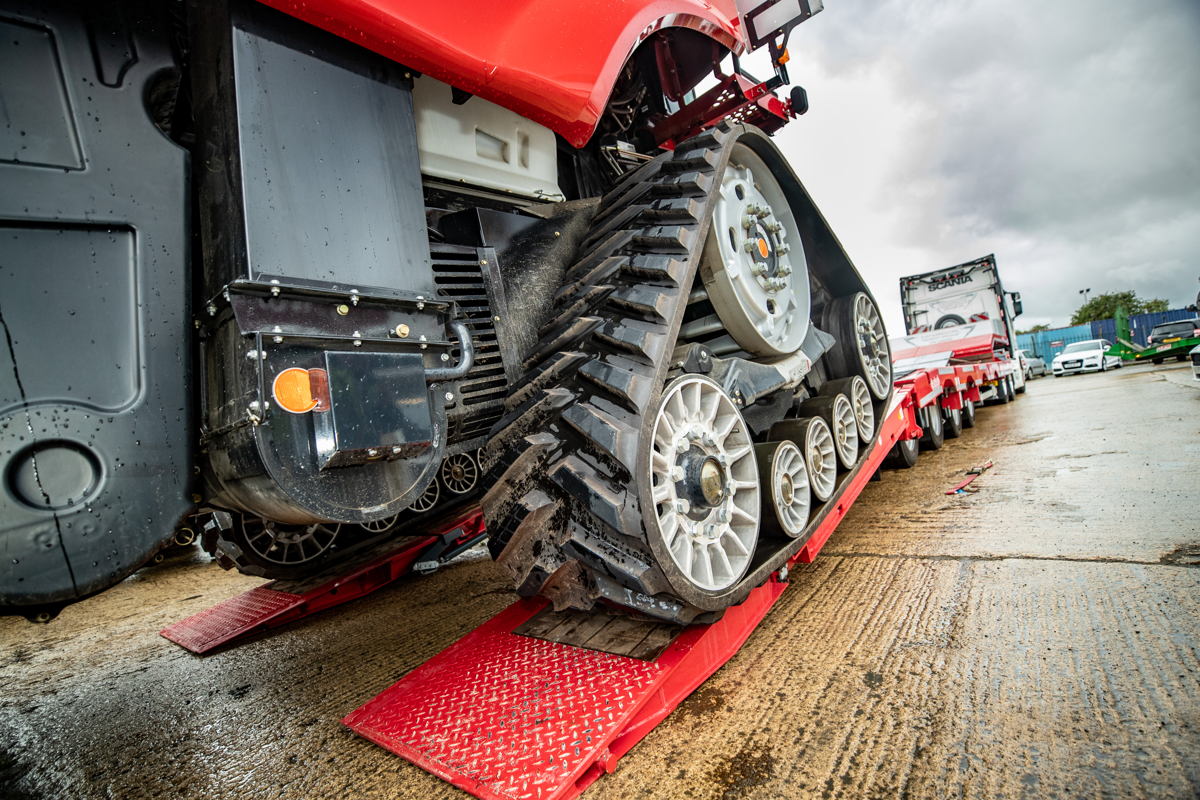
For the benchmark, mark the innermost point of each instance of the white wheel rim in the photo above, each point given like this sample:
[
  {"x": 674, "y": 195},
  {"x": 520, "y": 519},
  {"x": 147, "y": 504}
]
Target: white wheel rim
[
  {"x": 698, "y": 431},
  {"x": 845, "y": 430},
  {"x": 820, "y": 458},
  {"x": 428, "y": 498},
  {"x": 872, "y": 346},
  {"x": 460, "y": 473},
  {"x": 380, "y": 525},
  {"x": 754, "y": 267},
  {"x": 790, "y": 493},
  {"x": 864, "y": 412},
  {"x": 287, "y": 544}
]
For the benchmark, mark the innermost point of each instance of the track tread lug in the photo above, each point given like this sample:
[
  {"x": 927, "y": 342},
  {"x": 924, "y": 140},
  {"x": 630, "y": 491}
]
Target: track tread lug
[
  {"x": 615, "y": 437},
  {"x": 631, "y": 387}
]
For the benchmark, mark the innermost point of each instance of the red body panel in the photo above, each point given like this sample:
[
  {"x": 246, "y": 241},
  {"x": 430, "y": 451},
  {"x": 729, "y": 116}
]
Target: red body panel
[{"x": 552, "y": 61}]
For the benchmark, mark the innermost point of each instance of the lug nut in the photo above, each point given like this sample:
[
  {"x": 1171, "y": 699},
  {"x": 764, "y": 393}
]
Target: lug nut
[
  {"x": 676, "y": 473},
  {"x": 682, "y": 506}
]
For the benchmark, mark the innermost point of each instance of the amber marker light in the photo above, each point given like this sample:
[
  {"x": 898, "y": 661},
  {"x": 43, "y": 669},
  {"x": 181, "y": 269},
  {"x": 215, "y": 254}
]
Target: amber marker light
[{"x": 293, "y": 391}]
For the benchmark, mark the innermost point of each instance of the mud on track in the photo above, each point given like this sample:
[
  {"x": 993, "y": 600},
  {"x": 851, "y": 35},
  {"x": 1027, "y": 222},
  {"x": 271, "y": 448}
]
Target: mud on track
[{"x": 1035, "y": 638}]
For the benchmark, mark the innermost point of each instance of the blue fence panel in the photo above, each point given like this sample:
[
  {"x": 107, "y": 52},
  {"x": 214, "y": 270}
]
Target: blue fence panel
[
  {"x": 1048, "y": 344},
  {"x": 1105, "y": 329}
]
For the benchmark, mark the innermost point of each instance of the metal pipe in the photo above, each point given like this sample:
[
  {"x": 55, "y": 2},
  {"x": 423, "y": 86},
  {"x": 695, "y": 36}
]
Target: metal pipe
[{"x": 466, "y": 359}]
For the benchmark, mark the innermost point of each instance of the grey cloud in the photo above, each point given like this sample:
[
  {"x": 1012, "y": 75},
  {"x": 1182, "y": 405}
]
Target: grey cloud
[{"x": 1063, "y": 136}]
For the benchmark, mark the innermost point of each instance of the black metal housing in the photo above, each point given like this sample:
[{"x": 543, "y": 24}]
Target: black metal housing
[
  {"x": 316, "y": 257},
  {"x": 95, "y": 381}
]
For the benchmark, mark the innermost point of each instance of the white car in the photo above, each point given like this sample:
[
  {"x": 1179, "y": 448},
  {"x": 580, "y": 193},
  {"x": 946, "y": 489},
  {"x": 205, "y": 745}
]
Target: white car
[{"x": 1085, "y": 357}]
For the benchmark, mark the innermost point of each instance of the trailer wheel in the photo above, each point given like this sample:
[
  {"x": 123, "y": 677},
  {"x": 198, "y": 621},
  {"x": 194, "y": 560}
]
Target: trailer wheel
[
  {"x": 1157, "y": 360},
  {"x": 904, "y": 454},
  {"x": 1001, "y": 392},
  {"x": 953, "y": 422},
  {"x": 935, "y": 429},
  {"x": 968, "y": 413}
]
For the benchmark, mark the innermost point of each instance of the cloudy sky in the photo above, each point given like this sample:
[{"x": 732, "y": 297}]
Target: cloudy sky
[{"x": 1064, "y": 137}]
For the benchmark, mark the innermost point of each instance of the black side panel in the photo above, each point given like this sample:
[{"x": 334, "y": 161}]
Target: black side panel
[
  {"x": 316, "y": 259},
  {"x": 94, "y": 453}
]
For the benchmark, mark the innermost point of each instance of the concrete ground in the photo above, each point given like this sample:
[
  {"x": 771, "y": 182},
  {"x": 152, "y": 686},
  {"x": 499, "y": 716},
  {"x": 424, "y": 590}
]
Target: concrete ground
[{"x": 1035, "y": 637}]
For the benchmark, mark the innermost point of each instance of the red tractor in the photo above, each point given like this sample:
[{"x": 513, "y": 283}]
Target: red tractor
[{"x": 304, "y": 275}]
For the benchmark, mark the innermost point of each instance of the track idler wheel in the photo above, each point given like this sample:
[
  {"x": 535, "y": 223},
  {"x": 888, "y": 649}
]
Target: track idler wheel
[{"x": 787, "y": 500}]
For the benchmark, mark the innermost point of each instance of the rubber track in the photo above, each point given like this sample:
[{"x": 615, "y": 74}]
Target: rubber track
[{"x": 562, "y": 511}]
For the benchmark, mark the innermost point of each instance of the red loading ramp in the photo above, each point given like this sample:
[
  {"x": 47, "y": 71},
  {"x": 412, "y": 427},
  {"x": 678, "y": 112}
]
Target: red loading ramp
[
  {"x": 509, "y": 717},
  {"x": 280, "y": 602}
]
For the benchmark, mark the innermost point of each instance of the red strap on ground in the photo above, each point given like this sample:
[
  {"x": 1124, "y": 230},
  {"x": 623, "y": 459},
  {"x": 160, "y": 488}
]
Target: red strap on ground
[{"x": 972, "y": 474}]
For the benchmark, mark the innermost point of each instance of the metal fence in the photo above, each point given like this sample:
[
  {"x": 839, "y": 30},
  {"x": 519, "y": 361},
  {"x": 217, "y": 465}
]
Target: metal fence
[{"x": 1048, "y": 344}]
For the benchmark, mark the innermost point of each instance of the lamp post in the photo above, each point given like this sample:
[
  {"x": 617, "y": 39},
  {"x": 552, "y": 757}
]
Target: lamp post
[{"x": 1084, "y": 292}]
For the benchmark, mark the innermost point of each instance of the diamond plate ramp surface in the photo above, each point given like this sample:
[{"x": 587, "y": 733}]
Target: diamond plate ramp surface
[
  {"x": 508, "y": 717},
  {"x": 227, "y": 620}
]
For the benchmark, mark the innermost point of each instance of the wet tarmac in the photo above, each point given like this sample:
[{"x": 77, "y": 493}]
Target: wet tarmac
[{"x": 1035, "y": 637}]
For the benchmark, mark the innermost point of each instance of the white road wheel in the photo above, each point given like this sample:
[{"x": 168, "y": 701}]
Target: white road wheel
[
  {"x": 460, "y": 473},
  {"x": 820, "y": 458},
  {"x": 287, "y": 544},
  {"x": 704, "y": 483},
  {"x": 380, "y": 525},
  {"x": 860, "y": 400},
  {"x": 428, "y": 498},
  {"x": 864, "y": 412},
  {"x": 789, "y": 496},
  {"x": 862, "y": 342},
  {"x": 753, "y": 265},
  {"x": 838, "y": 413},
  {"x": 845, "y": 430}
]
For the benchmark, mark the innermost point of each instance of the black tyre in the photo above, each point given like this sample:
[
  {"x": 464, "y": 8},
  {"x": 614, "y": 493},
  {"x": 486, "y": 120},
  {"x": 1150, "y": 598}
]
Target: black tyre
[
  {"x": 949, "y": 321},
  {"x": 1157, "y": 360},
  {"x": 935, "y": 429},
  {"x": 968, "y": 413},
  {"x": 904, "y": 454},
  {"x": 952, "y": 422},
  {"x": 1001, "y": 392}
]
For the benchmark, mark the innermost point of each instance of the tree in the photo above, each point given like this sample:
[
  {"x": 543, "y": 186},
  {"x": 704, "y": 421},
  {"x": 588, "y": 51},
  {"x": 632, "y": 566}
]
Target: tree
[
  {"x": 1104, "y": 306},
  {"x": 1041, "y": 326}
]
